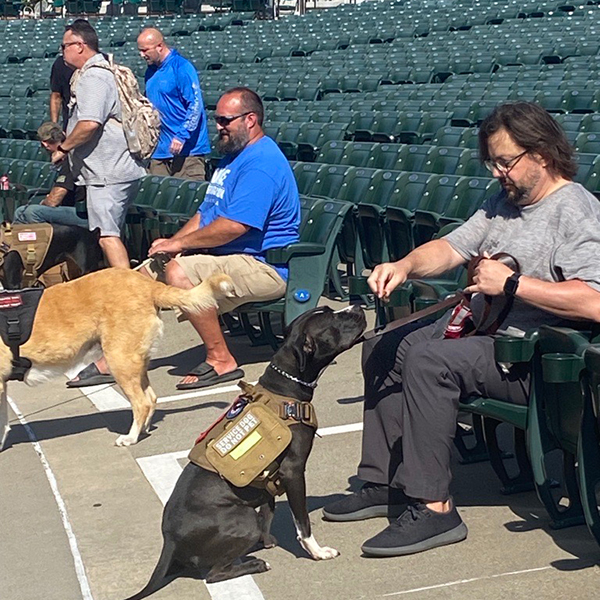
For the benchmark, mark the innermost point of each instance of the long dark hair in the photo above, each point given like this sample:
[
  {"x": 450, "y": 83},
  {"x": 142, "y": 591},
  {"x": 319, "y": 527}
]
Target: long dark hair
[{"x": 532, "y": 128}]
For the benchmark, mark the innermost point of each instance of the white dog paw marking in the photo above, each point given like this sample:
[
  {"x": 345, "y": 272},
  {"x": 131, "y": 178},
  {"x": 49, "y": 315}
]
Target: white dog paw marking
[
  {"x": 318, "y": 552},
  {"x": 125, "y": 440},
  {"x": 268, "y": 566}
]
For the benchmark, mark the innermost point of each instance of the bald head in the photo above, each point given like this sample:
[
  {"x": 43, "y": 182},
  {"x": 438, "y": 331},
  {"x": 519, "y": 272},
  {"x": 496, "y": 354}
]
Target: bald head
[{"x": 152, "y": 46}]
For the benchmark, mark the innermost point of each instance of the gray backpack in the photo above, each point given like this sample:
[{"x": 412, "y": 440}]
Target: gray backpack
[{"x": 140, "y": 120}]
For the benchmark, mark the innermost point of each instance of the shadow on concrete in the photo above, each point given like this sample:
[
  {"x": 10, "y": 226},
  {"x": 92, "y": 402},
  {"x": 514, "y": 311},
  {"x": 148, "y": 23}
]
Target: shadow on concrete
[
  {"x": 182, "y": 362},
  {"x": 116, "y": 421}
]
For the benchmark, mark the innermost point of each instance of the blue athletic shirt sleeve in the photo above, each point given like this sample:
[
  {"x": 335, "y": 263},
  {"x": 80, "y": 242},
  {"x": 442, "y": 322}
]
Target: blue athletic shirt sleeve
[{"x": 189, "y": 89}]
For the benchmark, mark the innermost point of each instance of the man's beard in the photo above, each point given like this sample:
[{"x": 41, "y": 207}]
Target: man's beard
[
  {"x": 520, "y": 195},
  {"x": 233, "y": 143}
]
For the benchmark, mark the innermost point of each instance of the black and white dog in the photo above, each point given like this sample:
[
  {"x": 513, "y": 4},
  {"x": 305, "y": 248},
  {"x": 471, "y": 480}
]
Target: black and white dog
[
  {"x": 208, "y": 524},
  {"x": 68, "y": 242}
]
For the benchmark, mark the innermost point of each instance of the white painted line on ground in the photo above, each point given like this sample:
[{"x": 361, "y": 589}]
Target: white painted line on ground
[
  {"x": 335, "y": 429},
  {"x": 463, "y": 581},
  {"x": 86, "y": 593},
  {"x": 107, "y": 397},
  {"x": 162, "y": 471}
]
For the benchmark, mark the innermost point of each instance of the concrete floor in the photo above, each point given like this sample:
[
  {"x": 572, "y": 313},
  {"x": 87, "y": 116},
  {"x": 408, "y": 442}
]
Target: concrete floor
[{"x": 112, "y": 504}]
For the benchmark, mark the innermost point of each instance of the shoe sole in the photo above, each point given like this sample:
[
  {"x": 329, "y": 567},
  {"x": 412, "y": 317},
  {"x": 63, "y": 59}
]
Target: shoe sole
[
  {"x": 380, "y": 510},
  {"x": 458, "y": 534}
]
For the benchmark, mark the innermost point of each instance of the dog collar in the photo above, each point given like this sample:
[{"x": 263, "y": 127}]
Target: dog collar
[{"x": 311, "y": 385}]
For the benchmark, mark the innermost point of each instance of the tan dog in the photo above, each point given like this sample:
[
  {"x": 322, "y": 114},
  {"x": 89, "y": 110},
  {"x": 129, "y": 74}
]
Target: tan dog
[{"x": 118, "y": 309}]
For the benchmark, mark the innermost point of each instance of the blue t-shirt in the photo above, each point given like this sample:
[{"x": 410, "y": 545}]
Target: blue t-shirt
[
  {"x": 173, "y": 88},
  {"x": 255, "y": 187}
]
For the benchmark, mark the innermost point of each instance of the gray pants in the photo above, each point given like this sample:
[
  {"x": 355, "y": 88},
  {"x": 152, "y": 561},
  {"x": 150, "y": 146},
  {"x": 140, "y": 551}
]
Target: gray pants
[{"x": 413, "y": 383}]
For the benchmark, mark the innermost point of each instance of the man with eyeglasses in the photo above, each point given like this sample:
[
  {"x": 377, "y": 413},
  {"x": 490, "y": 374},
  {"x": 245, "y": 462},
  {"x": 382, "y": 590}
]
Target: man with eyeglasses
[
  {"x": 173, "y": 87},
  {"x": 95, "y": 144},
  {"x": 415, "y": 376},
  {"x": 251, "y": 206}
]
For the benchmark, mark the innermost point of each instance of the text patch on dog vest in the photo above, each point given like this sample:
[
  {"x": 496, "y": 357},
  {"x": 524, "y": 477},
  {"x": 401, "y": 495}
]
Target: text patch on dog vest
[
  {"x": 11, "y": 301},
  {"x": 236, "y": 435},
  {"x": 27, "y": 236}
]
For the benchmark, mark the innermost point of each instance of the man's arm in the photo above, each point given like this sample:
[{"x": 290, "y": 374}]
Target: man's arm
[
  {"x": 572, "y": 299},
  {"x": 55, "y": 106},
  {"x": 430, "y": 259},
  {"x": 55, "y": 196},
  {"x": 189, "y": 87},
  {"x": 221, "y": 231},
  {"x": 82, "y": 133}
]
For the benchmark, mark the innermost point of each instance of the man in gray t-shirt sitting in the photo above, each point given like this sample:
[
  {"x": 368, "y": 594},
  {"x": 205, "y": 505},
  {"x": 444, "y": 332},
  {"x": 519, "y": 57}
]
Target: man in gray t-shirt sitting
[
  {"x": 415, "y": 378},
  {"x": 96, "y": 144}
]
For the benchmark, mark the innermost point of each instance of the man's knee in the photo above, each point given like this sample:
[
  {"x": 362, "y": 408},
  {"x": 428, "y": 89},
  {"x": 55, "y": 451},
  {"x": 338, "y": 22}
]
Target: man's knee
[
  {"x": 20, "y": 215},
  {"x": 175, "y": 275},
  {"x": 29, "y": 214}
]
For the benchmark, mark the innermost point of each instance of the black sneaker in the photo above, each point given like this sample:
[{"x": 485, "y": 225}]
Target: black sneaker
[
  {"x": 416, "y": 530},
  {"x": 372, "y": 500}
]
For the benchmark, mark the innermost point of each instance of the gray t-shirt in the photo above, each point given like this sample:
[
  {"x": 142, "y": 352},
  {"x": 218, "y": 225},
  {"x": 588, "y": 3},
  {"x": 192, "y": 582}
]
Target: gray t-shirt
[
  {"x": 105, "y": 159},
  {"x": 555, "y": 239}
]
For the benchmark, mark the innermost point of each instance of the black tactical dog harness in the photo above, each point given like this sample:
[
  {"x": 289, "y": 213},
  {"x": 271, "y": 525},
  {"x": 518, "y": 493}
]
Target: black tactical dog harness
[
  {"x": 17, "y": 313},
  {"x": 245, "y": 445}
]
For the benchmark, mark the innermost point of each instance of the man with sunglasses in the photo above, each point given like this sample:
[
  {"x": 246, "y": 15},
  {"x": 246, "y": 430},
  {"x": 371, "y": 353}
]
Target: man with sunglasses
[
  {"x": 173, "y": 87},
  {"x": 251, "y": 206},
  {"x": 415, "y": 376}
]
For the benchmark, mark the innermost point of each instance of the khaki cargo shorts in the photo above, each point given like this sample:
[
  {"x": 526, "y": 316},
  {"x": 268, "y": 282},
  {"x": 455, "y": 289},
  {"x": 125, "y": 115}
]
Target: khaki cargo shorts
[{"x": 254, "y": 280}]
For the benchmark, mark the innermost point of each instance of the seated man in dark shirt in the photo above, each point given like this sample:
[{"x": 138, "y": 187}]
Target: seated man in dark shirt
[{"x": 58, "y": 207}]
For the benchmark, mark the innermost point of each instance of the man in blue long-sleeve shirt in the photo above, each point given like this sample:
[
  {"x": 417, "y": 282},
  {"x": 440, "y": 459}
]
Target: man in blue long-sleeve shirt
[{"x": 173, "y": 87}]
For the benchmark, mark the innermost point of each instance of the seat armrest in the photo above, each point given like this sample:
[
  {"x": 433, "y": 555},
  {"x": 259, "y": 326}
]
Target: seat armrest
[{"x": 283, "y": 255}]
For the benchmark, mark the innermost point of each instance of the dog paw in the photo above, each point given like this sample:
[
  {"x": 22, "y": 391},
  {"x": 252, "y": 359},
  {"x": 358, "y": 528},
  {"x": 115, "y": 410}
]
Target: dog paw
[
  {"x": 125, "y": 440},
  {"x": 325, "y": 553},
  {"x": 269, "y": 541}
]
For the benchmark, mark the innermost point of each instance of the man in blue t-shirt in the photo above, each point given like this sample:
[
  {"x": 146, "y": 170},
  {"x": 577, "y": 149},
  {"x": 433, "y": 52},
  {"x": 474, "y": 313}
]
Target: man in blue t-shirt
[
  {"x": 173, "y": 87},
  {"x": 251, "y": 206}
]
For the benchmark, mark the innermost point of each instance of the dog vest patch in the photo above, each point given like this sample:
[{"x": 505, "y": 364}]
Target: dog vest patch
[{"x": 245, "y": 444}]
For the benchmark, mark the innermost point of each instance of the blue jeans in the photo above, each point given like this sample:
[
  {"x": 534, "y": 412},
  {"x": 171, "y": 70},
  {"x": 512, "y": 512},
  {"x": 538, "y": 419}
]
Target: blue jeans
[{"x": 56, "y": 215}]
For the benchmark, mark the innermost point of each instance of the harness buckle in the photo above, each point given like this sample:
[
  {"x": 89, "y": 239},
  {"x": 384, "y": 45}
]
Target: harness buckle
[
  {"x": 13, "y": 329},
  {"x": 298, "y": 411}
]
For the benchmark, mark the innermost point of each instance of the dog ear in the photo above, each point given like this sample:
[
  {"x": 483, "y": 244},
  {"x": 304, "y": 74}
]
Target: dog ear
[{"x": 303, "y": 350}]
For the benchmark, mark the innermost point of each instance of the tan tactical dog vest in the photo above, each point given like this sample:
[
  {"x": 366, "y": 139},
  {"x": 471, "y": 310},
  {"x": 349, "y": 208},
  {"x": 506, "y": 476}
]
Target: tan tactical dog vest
[
  {"x": 31, "y": 242},
  {"x": 245, "y": 444}
]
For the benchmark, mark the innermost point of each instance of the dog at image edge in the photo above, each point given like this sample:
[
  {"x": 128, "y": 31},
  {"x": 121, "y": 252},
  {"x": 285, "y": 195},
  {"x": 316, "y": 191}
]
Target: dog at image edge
[
  {"x": 117, "y": 309},
  {"x": 209, "y": 524}
]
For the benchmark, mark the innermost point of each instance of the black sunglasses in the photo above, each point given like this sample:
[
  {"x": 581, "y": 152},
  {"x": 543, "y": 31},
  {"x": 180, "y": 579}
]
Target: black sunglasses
[{"x": 225, "y": 121}]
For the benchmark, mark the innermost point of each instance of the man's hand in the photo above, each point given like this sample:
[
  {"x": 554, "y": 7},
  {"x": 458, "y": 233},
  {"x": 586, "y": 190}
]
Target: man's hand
[
  {"x": 385, "y": 279},
  {"x": 47, "y": 201},
  {"x": 58, "y": 157},
  {"x": 168, "y": 246},
  {"x": 489, "y": 277},
  {"x": 175, "y": 147}
]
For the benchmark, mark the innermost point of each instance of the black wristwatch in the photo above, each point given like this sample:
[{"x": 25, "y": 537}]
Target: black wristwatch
[
  {"x": 511, "y": 284},
  {"x": 61, "y": 149}
]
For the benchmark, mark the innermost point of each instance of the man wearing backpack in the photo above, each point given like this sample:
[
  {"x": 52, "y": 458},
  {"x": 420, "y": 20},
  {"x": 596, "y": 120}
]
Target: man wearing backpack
[
  {"x": 95, "y": 145},
  {"x": 173, "y": 87}
]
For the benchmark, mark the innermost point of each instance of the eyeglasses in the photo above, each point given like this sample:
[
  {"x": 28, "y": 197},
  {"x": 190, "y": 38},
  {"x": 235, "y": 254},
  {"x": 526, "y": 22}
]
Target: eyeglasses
[
  {"x": 63, "y": 46},
  {"x": 504, "y": 166},
  {"x": 225, "y": 121}
]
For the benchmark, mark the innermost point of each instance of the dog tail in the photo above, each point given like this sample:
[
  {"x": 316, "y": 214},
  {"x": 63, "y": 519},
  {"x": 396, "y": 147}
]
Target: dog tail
[
  {"x": 197, "y": 299},
  {"x": 157, "y": 579}
]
